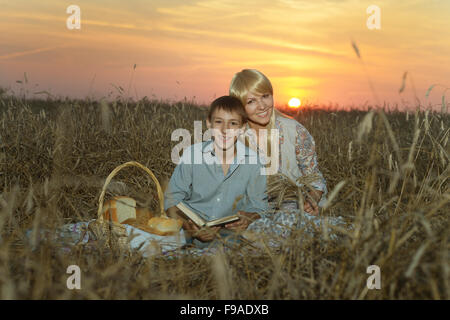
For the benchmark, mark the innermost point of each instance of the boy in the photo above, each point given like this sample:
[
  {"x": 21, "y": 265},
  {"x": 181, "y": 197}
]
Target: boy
[{"x": 227, "y": 171}]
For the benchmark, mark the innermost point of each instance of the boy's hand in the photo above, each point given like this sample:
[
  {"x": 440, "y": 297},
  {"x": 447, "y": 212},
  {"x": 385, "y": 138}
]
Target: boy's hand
[
  {"x": 204, "y": 235},
  {"x": 244, "y": 221}
]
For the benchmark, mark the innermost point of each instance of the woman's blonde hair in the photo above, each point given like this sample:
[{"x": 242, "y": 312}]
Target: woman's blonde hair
[{"x": 251, "y": 80}]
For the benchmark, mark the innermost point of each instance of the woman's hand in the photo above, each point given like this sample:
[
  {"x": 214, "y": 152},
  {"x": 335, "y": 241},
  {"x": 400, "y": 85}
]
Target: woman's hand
[
  {"x": 204, "y": 235},
  {"x": 310, "y": 205},
  {"x": 244, "y": 221}
]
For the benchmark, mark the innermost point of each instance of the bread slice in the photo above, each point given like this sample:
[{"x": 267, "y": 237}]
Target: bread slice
[{"x": 119, "y": 209}]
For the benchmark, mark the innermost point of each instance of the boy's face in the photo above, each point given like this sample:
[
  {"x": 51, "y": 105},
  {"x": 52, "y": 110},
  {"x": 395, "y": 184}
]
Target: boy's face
[{"x": 226, "y": 128}]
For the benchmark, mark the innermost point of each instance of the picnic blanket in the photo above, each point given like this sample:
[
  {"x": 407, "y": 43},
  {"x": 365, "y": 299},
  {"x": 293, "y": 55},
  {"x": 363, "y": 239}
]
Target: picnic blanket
[{"x": 75, "y": 234}]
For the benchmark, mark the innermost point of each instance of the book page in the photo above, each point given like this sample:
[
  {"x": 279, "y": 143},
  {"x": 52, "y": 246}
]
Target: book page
[
  {"x": 222, "y": 221},
  {"x": 191, "y": 214}
]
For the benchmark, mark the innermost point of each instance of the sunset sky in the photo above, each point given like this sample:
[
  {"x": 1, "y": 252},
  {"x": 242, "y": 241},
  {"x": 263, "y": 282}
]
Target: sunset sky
[{"x": 185, "y": 48}]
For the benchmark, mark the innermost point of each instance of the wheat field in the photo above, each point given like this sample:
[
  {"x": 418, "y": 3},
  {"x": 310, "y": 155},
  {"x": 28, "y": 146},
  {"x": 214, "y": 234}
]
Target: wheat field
[{"x": 387, "y": 175}]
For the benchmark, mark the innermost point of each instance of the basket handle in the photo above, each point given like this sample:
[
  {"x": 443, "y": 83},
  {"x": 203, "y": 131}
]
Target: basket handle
[{"x": 131, "y": 164}]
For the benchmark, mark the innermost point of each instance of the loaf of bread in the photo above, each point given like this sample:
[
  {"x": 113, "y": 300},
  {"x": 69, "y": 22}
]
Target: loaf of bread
[{"x": 164, "y": 226}]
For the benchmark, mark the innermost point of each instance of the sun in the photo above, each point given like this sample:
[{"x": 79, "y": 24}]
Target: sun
[{"x": 294, "y": 103}]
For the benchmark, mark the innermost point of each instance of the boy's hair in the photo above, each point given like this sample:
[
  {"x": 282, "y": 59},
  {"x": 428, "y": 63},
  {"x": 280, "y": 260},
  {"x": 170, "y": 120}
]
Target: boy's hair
[{"x": 228, "y": 104}]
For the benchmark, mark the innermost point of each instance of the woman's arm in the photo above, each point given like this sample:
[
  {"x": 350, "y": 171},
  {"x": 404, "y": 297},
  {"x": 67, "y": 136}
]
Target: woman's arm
[{"x": 305, "y": 151}]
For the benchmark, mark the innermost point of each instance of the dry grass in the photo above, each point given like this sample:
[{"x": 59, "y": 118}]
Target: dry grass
[{"x": 55, "y": 156}]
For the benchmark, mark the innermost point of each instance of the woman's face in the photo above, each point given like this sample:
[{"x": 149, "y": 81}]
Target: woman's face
[{"x": 259, "y": 108}]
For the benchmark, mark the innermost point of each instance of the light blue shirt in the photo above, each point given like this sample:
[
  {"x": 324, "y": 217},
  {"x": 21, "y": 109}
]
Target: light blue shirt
[{"x": 199, "y": 182}]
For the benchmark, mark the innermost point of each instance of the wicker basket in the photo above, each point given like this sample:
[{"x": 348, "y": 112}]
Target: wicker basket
[{"x": 110, "y": 233}]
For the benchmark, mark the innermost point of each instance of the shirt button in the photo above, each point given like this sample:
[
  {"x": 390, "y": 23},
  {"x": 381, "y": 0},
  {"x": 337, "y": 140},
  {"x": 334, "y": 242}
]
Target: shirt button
[{"x": 218, "y": 199}]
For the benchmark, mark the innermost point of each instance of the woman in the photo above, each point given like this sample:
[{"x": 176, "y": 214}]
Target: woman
[{"x": 296, "y": 154}]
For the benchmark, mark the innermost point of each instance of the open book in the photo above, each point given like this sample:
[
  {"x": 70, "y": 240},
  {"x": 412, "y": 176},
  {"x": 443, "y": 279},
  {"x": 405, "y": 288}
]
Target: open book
[{"x": 199, "y": 221}]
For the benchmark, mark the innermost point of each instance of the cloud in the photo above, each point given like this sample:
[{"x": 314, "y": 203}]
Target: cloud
[
  {"x": 61, "y": 19},
  {"x": 250, "y": 38},
  {"x": 30, "y": 52}
]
